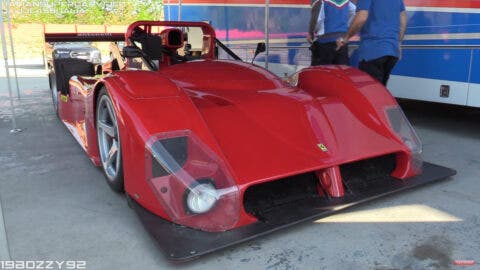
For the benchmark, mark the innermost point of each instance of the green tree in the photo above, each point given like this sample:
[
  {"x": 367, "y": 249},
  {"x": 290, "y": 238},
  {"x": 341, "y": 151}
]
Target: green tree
[{"x": 85, "y": 12}]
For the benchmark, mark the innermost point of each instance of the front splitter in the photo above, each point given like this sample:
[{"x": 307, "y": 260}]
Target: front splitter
[{"x": 182, "y": 243}]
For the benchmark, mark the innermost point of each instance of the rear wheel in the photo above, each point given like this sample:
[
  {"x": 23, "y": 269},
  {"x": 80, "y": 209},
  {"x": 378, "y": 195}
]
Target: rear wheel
[
  {"x": 109, "y": 145},
  {"x": 53, "y": 90}
]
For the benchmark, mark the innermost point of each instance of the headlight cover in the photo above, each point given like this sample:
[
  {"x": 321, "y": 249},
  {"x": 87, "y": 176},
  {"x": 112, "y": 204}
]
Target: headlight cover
[
  {"x": 201, "y": 196},
  {"x": 193, "y": 185},
  {"x": 58, "y": 54},
  {"x": 404, "y": 130},
  {"x": 95, "y": 57}
]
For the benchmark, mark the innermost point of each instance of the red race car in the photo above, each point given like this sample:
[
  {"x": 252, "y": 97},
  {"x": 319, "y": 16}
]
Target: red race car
[{"x": 214, "y": 152}]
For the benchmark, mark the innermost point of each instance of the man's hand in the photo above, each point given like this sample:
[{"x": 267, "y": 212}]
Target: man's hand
[
  {"x": 309, "y": 38},
  {"x": 357, "y": 23},
  {"x": 341, "y": 42}
]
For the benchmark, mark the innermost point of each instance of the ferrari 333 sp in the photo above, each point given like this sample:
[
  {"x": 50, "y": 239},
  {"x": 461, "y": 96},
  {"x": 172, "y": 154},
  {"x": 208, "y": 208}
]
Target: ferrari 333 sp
[{"x": 212, "y": 151}]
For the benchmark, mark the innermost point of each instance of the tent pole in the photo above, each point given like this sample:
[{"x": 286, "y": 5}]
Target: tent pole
[
  {"x": 7, "y": 72},
  {"x": 168, "y": 19},
  {"x": 7, "y": 3},
  {"x": 267, "y": 31},
  {"x": 179, "y": 10}
]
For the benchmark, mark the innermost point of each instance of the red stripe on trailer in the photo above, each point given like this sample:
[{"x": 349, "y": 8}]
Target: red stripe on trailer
[
  {"x": 443, "y": 3},
  {"x": 412, "y": 3},
  {"x": 239, "y": 2}
]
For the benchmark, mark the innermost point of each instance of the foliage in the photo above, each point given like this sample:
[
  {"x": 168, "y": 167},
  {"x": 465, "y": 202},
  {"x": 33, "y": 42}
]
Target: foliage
[{"x": 85, "y": 11}]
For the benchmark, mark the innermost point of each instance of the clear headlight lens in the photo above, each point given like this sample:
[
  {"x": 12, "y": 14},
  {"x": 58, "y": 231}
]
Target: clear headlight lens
[
  {"x": 201, "y": 197},
  {"x": 61, "y": 54},
  {"x": 192, "y": 183},
  {"x": 95, "y": 57},
  {"x": 402, "y": 127}
]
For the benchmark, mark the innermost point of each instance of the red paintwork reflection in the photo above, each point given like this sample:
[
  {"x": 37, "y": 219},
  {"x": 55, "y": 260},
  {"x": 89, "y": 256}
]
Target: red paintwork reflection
[
  {"x": 264, "y": 128},
  {"x": 260, "y": 126}
]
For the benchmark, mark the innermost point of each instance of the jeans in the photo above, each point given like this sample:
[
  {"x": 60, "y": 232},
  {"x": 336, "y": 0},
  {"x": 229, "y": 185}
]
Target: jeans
[
  {"x": 326, "y": 54},
  {"x": 379, "y": 68}
]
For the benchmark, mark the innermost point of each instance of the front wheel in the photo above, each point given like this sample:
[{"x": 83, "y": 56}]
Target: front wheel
[{"x": 109, "y": 145}]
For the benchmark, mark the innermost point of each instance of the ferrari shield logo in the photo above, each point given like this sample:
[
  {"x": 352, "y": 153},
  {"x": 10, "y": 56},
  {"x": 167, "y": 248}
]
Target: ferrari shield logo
[
  {"x": 322, "y": 147},
  {"x": 64, "y": 98}
]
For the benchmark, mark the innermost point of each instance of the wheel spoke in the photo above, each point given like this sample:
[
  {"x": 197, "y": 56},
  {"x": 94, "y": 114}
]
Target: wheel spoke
[
  {"x": 112, "y": 153},
  {"x": 110, "y": 112},
  {"x": 110, "y": 130},
  {"x": 108, "y": 139}
]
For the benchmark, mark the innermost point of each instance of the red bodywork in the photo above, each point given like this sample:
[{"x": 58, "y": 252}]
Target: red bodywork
[{"x": 261, "y": 127}]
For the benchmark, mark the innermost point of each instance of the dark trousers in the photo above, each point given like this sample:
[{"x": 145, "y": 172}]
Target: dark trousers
[
  {"x": 326, "y": 54},
  {"x": 379, "y": 68}
]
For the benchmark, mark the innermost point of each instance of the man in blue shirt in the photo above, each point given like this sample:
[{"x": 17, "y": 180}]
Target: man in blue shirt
[
  {"x": 382, "y": 25},
  {"x": 329, "y": 20}
]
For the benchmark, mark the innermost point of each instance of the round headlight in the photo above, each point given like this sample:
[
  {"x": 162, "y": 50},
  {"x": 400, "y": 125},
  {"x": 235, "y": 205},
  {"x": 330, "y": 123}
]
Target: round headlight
[{"x": 201, "y": 197}]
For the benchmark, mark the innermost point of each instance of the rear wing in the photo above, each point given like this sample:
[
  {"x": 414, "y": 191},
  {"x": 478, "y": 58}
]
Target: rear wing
[
  {"x": 78, "y": 37},
  {"x": 64, "y": 59}
]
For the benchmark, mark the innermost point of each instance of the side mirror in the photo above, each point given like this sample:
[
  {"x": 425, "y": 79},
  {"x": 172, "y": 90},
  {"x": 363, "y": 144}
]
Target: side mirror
[
  {"x": 260, "y": 48},
  {"x": 131, "y": 52}
]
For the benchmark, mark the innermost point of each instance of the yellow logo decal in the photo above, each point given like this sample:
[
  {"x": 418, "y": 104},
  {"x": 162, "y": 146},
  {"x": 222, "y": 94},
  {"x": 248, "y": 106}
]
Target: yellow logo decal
[
  {"x": 322, "y": 147},
  {"x": 64, "y": 98}
]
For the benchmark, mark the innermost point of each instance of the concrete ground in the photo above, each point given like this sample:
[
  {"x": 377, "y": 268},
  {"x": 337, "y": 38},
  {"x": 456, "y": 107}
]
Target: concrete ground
[{"x": 57, "y": 205}]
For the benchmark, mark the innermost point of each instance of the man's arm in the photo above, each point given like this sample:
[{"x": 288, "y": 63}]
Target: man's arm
[
  {"x": 401, "y": 33},
  {"x": 352, "y": 10},
  {"x": 313, "y": 20},
  {"x": 357, "y": 24},
  {"x": 403, "y": 25}
]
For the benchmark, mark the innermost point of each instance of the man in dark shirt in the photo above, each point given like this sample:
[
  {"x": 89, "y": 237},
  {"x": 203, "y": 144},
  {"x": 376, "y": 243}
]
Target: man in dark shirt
[
  {"x": 329, "y": 21},
  {"x": 382, "y": 25}
]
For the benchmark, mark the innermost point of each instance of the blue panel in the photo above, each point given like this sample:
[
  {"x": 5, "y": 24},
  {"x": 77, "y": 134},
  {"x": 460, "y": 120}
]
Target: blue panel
[
  {"x": 282, "y": 20},
  {"x": 285, "y": 23},
  {"x": 475, "y": 75},
  {"x": 421, "y": 22},
  {"x": 171, "y": 12},
  {"x": 289, "y": 20},
  {"x": 289, "y": 23},
  {"x": 295, "y": 20},
  {"x": 443, "y": 42},
  {"x": 445, "y": 64}
]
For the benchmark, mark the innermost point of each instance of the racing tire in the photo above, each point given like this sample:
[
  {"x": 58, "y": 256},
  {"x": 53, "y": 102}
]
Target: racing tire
[
  {"x": 53, "y": 90},
  {"x": 109, "y": 144}
]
